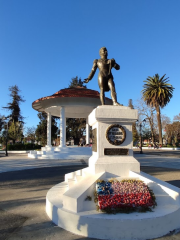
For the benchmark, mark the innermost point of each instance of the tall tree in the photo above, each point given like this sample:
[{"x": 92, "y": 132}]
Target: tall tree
[
  {"x": 31, "y": 134},
  {"x": 134, "y": 130},
  {"x": 157, "y": 93},
  {"x": 173, "y": 132},
  {"x": 15, "y": 124},
  {"x": 41, "y": 130},
  {"x": 75, "y": 82},
  {"x": 75, "y": 128},
  {"x": 1, "y": 122},
  {"x": 2, "y": 132},
  {"x": 147, "y": 112},
  {"x": 15, "y": 131},
  {"x": 14, "y": 106},
  {"x": 177, "y": 117}
]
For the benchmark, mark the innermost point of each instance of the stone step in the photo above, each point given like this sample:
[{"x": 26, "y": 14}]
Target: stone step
[
  {"x": 77, "y": 174},
  {"x": 73, "y": 177},
  {"x": 74, "y": 198},
  {"x": 32, "y": 155},
  {"x": 71, "y": 182}
]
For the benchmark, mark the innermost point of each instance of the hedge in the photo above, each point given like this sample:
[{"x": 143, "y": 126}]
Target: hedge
[{"x": 20, "y": 146}]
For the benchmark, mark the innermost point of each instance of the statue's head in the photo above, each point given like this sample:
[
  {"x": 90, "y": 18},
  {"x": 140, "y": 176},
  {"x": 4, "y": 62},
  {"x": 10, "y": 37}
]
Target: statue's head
[{"x": 103, "y": 51}]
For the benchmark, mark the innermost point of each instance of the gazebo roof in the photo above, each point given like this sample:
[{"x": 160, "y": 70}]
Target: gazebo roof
[{"x": 78, "y": 102}]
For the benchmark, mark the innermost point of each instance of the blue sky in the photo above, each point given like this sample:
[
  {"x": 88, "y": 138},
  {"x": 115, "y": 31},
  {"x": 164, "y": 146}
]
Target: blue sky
[{"x": 43, "y": 44}]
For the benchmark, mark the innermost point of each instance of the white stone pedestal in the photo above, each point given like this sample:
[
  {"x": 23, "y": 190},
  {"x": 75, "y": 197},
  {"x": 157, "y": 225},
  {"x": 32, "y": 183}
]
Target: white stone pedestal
[
  {"x": 101, "y": 119},
  {"x": 65, "y": 202}
]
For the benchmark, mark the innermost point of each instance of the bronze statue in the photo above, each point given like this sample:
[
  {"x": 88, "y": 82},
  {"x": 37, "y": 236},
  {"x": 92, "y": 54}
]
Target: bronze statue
[{"x": 105, "y": 77}]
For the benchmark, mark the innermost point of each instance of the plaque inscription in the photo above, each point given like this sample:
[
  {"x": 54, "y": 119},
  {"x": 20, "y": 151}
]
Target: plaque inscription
[
  {"x": 115, "y": 134},
  {"x": 116, "y": 151},
  {"x": 94, "y": 140}
]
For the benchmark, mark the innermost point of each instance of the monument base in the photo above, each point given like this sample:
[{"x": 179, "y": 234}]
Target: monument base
[
  {"x": 67, "y": 208},
  {"x": 112, "y": 157},
  {"x": 118, "y": 166}
]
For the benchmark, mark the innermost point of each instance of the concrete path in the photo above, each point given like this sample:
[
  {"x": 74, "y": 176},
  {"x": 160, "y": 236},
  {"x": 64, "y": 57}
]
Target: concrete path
[
  {"x": 149, "y": 158},
  {"x": 158, "y": 160},
  {"x": 15, "y": 162},
  {"x": 23, "y": 193}
]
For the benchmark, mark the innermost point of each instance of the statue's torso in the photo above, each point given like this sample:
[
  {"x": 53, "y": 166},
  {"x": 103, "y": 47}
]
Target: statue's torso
[{"x": 104, "y": 67}]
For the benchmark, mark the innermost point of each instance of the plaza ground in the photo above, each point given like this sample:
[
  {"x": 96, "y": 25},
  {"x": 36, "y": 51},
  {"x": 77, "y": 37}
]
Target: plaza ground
[{"x": 24, "y": 183}]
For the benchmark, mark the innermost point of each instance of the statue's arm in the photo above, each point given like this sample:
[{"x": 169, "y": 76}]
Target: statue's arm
[
  {"x": 93, "y": 70},
  {"x": 114, "y": 64}
]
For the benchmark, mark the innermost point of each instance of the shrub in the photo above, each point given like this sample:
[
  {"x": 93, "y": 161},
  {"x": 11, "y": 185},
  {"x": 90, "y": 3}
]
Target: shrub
[
  {"x": 169, "y": 145},
  {"x": 20, "y": 146}
]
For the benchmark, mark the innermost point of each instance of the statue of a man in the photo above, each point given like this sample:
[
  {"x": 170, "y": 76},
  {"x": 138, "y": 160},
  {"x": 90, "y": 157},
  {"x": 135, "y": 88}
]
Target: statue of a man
[{"x": 105, "y": 77}]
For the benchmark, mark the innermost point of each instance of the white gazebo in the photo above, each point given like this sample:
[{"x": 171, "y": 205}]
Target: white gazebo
[{"x": 76, "y": 102}]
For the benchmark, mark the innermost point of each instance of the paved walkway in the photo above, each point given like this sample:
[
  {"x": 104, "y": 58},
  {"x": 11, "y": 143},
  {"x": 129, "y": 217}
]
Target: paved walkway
[
  {"x": 22, "y": 193},
  {"x": 149, "y": 158},
  {"x": 15, "y": 162},
  {"x": 158, "y": 160}
]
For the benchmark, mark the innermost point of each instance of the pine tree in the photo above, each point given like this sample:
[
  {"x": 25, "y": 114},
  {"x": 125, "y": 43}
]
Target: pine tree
[
  {"x": 15, "y": 123},
  {"x": 14, "y": 106},
  {"x": 75, "y": 82},
  {"x": 75, "y": 127}
]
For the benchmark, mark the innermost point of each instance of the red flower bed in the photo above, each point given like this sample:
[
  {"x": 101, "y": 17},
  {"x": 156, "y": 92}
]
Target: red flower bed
[
  {"x": 126, "y": 200},
  {"x": 124, "y": 196}
]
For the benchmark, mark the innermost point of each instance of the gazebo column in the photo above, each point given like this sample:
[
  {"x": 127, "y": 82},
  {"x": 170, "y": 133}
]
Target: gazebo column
[
  {"x": 62, "y": 127},
  {"x": 48, "y": 129},
  {"x": 87, "y": 131}
]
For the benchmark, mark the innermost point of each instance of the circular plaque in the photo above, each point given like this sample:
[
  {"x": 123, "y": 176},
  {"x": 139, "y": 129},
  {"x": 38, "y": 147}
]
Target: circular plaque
[{"x": 115, "y": 134}]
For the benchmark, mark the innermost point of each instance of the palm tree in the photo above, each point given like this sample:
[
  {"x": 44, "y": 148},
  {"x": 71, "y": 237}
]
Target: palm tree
[{"x": 157, "y": 93}]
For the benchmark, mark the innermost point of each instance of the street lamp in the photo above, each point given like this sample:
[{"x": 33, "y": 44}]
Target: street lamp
[{"x": 140, "y": 125}]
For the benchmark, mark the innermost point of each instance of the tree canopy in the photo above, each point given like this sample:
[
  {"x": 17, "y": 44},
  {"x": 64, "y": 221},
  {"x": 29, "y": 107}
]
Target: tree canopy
[
  {"x": 147, "y": 112},
  {"x": 41, "y": 130},
  {"x": 1, "y": 122},
  {"x": 14, "y": 119},
  {"x": 75, "y": 82},
  {"x": 173, "y": 133},
  {"x": 30, "y": 134},
  {"x": 15, "y": 131},
  {"x": 177, "y": 117},
  {"x": 157, "y": 93},
  {"x": 75, "y": 128},
  {"x": 14, "y": 105}
]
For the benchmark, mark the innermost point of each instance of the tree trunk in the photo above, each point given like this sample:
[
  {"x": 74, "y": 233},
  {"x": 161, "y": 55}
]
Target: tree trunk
[
  {"x": 159, "y": 124},
  {"x": 152, "y": 130},
  {"x": 152, "y": 134},
  {"x": 76, "y": 141},
  {"x": 152, "y": 126}
]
